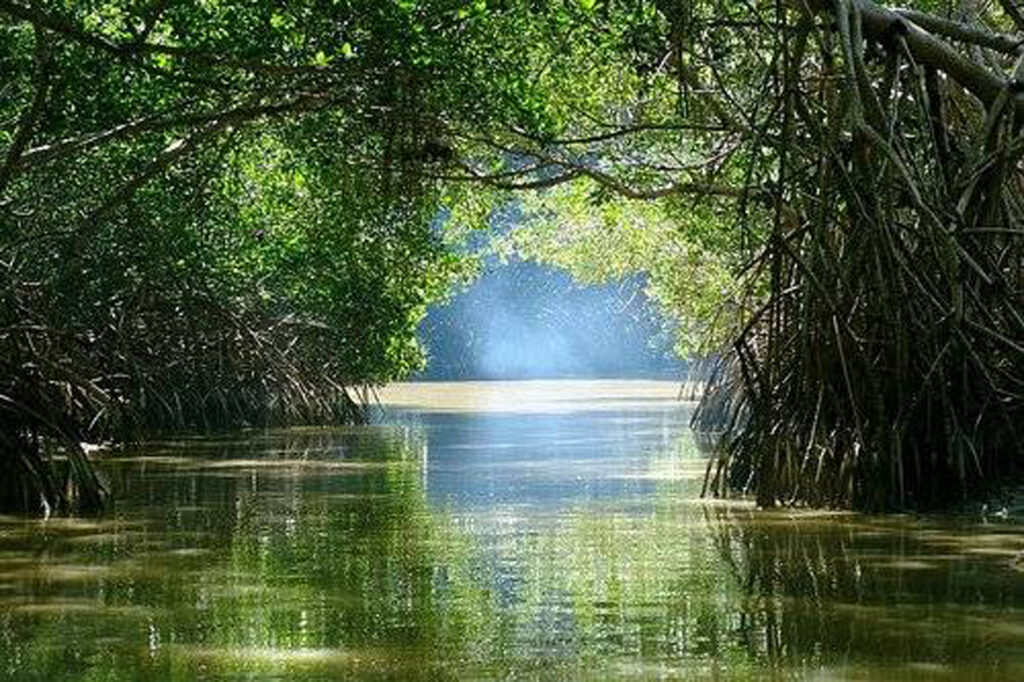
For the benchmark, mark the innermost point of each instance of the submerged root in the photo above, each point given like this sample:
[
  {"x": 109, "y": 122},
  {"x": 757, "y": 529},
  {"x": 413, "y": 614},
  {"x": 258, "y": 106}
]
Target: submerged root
[{"x": 60, "y": 388}]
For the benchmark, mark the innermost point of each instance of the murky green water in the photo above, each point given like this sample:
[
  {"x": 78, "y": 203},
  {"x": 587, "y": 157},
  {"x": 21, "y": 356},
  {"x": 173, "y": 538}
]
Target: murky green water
[{"x": 555, "y": 532}]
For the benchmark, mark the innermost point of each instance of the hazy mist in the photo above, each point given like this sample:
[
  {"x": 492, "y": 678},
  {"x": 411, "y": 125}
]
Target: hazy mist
[{"x": 524, "y": 320}]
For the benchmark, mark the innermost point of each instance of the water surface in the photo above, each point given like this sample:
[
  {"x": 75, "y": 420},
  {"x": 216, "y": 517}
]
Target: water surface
[{"x": 536, "y": 530}]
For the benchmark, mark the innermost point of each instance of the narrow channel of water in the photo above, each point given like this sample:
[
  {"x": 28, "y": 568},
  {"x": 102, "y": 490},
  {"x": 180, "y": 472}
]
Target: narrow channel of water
[{"x": 544, "y": 530}]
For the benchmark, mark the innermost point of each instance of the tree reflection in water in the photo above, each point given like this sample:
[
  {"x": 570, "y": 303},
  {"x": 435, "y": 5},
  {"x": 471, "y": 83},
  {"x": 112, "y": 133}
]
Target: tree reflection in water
[
  {"x": 870, "y": 597},
  {"x": 318, "y": 554}
]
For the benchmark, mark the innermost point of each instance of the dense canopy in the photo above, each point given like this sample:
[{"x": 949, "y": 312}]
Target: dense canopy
[{"x": 223, "y": 213}]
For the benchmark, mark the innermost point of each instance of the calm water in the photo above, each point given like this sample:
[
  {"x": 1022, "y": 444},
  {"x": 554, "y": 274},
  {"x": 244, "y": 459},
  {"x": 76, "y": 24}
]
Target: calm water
[{"x": 537, "y": 530}]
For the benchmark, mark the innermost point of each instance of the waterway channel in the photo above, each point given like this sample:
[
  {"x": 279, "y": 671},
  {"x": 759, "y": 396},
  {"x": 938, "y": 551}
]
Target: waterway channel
[{"x": 505, "y": 530}]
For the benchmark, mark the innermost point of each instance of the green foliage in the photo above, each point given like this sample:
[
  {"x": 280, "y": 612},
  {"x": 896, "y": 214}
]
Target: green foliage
[
  {"x": 684, "y": 252},
  {"x": 207, "y": 220},
  {"x": 226, "y": 212}
]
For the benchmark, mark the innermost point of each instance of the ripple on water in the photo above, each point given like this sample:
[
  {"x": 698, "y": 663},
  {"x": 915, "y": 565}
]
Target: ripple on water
[{"x": 523, "y": 540}]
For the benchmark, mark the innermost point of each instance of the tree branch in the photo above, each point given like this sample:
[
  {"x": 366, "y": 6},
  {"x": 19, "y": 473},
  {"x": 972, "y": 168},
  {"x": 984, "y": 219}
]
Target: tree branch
[
  {"x": 62, "y": 148},
  {"x": 882, "y": 23},
  {"x": 975, "y": 35},
  {"x": 129, "y": 52},
  {"x": 30, "y": 117},
  {"x": 183, "y": 146},
  {"x": 576, "y": 169},
  {"x": 621, "y": 132},
  {"x": 499, "y": 180}
]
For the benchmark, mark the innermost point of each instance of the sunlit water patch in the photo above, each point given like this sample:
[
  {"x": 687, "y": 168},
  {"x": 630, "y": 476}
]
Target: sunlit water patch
[{"x": 545, "y": 535}]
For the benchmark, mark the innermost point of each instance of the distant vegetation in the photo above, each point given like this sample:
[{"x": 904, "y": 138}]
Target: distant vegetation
[{"x": 220, "y": 213}]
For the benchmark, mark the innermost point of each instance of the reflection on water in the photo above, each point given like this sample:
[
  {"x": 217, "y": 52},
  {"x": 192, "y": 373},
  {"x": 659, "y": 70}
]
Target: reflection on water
[{"x": 515, "y": 541}]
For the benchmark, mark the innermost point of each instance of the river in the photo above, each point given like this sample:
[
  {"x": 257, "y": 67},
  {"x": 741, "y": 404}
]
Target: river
[{"x": 538, "y": 530}]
